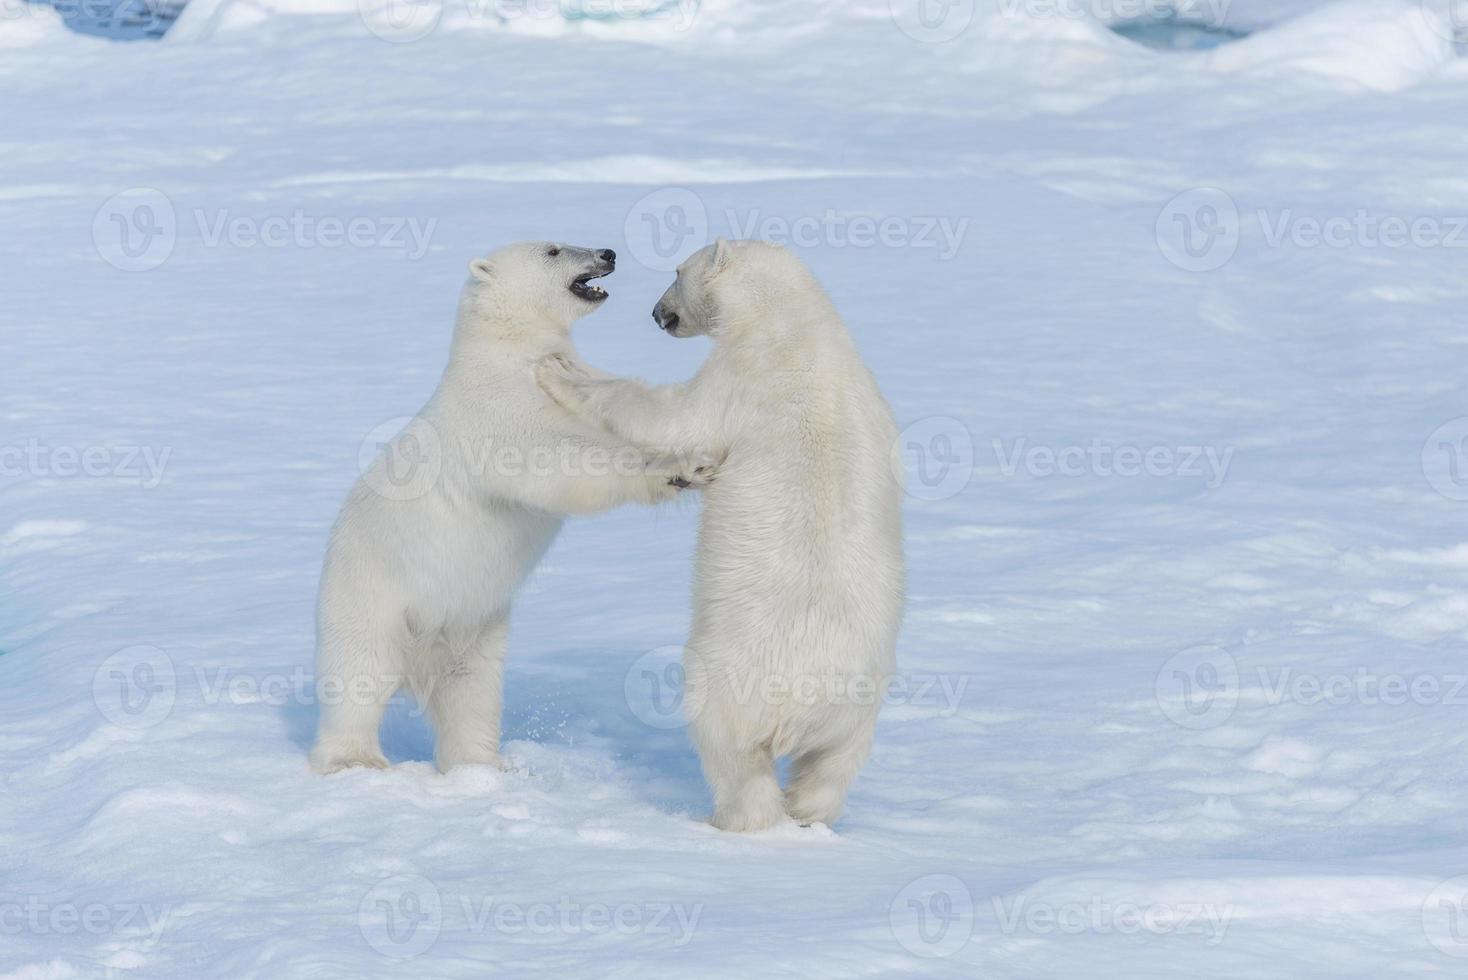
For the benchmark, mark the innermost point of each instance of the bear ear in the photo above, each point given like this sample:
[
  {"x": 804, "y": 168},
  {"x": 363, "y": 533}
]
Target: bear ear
[
  {"x": 722, "y": 252},
  {"x": 481, "y": 270}
]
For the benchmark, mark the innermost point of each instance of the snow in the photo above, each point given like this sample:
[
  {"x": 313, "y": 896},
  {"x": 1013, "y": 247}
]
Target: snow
[
  {"x": 1179, "y": 336},
  {"x": 24, "y": 26}
]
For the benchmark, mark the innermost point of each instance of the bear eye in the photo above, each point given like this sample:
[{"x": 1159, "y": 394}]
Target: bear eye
[{"x": 552, "y": 251}]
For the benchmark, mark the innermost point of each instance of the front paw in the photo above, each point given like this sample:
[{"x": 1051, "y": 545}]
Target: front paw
[
  {"x": 684, "y": 471},
  {"x": 694, "y": 474},
  {"x": 558, "y": 377}
]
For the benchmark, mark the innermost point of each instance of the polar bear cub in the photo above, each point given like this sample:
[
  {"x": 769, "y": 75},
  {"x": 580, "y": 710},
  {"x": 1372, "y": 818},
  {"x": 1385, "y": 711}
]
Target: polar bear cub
[
  {"x": 799, "y": 580},
  {"x": 445, "y": 525}
]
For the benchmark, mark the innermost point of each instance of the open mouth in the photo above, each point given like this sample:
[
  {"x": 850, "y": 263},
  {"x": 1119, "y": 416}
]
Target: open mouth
[{"x": 583, "y": 287}]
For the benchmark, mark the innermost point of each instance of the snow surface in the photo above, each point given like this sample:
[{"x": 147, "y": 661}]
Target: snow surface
[{"x": 1207, "y": 720}]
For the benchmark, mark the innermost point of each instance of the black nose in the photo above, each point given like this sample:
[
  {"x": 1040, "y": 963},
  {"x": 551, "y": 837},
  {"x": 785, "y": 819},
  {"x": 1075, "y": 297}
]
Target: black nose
[{"x": 608, "y": 255}]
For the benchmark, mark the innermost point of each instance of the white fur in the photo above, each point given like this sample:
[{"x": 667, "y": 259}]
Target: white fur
[
  {"x": 799, "y": 575},
  {"x": 417, "y": 591}
]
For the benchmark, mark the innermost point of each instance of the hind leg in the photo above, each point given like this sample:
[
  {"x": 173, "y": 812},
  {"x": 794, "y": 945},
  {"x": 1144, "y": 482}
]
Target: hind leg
[
  {"x": 466, "y": 701},
  {"x": 356, "y": 675},
  {"x": 746, "y": 793},
  {"x": 741, "y": 775},
  {"x": 820, "y": 777}
]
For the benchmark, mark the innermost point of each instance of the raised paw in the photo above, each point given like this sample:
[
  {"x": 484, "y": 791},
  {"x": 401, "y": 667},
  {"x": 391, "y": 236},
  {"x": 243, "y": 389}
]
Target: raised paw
[
  {"x": 694, "y": 477},
  {"x": 558, "y": 377}
]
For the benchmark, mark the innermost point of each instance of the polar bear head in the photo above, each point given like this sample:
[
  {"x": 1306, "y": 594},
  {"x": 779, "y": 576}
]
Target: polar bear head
[
  {"x": 536, "y": 284},
  {"x": 728, "y": 283}
]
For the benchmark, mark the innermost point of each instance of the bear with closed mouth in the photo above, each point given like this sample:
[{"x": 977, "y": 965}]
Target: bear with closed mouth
[{"x": 799, "y": 576}]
